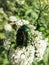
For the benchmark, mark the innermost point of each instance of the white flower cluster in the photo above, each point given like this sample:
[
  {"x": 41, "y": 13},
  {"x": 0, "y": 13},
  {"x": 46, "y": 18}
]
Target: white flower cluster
[
  {"x": 7, "y": 44},
  {"x": 8, "y": 27},
  {"x": 12, "y": 19},
  {"x": 21, "y": 2},
  {"x": 40, "y": 45},
  {"x": 25, "y": 56},
  {"x": 22, "y": 56},
  {"x": 18, "y": 23},
  {"x": 22, "y": 22}
]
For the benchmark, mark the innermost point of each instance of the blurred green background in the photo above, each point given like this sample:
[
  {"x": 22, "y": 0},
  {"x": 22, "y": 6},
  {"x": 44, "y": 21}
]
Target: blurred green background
[{"x": 35, "y": 11}]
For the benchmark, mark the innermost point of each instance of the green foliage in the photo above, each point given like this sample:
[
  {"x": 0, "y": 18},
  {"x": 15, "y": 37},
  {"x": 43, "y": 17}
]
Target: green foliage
[{"x": 35, "y": 11}]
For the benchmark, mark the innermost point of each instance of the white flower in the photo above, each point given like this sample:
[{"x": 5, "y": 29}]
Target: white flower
[
  {"x": 40, "y": 45},
  {"x": 26, "y": 55},
  {"x": 12, "y": 19},
  {"x": 23, "y": 56},
  {"x": 7, "y": 44},
  {"x": 8, "y": 2},
  {"x": 32, "y": 28},
  {"x": 25, "y": 22},
  {"x": 19, "y": 23},
  {"x": 22, "y": 22},
  {"x": 8, "y": 27},
  {"x": 21, "y": 2}
]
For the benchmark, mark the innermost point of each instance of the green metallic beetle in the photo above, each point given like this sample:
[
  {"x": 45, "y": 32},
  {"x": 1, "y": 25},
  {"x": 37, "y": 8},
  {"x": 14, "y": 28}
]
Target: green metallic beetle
[{"x": 23, "y": 36}]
